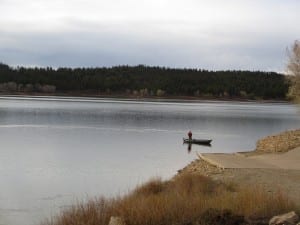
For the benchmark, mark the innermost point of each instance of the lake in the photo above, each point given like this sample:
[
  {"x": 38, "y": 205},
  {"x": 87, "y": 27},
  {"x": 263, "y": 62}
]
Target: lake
[{"x": 57, "y": 151}]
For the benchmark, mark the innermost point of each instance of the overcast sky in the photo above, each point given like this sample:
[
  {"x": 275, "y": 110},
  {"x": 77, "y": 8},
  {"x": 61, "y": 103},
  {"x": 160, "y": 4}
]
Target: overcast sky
[{"x": 215, "y": 34}]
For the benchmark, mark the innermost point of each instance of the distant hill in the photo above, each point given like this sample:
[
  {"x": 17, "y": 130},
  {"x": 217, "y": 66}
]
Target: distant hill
[{"x": 145, "y": 81}]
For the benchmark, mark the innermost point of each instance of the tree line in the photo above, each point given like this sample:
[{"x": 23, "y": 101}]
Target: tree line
[{"x": 145, "y": 81}]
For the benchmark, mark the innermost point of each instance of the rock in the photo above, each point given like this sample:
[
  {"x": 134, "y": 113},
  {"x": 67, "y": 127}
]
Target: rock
[
  {"x": 290, "y": 218},
  {"x": 115, "y": 220},
  {"x": 281, "y": 142}
]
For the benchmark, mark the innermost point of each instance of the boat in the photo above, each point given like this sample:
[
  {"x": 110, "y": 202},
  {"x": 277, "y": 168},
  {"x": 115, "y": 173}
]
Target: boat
[{"x": 197, "y": 141}]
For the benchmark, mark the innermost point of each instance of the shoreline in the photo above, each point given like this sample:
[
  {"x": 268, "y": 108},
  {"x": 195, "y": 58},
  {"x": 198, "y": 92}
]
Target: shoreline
[
  {"x": 191, "y": 99},
  {"x": 200, "y": 193},
  {"x": 271, "y": 178},
  {"x": 285, "y": 181}
]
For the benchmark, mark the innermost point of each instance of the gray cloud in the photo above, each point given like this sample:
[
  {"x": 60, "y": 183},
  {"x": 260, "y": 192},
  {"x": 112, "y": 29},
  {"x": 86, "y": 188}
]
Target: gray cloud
[{"x": 254, "y": 40}]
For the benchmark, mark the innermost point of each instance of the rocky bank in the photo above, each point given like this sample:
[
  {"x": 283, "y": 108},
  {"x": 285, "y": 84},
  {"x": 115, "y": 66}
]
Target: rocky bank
[{"x": 281, "y": 142}]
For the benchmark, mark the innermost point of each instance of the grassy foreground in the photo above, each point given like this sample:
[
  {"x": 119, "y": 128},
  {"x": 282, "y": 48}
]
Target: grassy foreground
[{"x": 187, "y": 199}]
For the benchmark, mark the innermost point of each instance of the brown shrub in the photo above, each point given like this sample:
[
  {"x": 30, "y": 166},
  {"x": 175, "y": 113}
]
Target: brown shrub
[
  {"x": 193, "y": 183},
  {"x": 220, "y": 217},
  {"x": 153, "y": 186},
  {"x": 188, "y": 199}
]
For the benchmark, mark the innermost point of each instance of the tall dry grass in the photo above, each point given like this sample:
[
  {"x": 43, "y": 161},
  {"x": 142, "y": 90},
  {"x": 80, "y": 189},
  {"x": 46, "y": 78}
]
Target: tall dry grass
[{"x": 189, "y": 199}]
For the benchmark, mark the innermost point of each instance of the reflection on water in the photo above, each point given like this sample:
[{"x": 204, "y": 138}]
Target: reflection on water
[
  {"x": 55, "y": 151},
  {"x": 189, "y": 146}
]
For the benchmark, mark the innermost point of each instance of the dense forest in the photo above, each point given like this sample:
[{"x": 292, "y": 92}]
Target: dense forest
[{"x": 144, "y": 81}]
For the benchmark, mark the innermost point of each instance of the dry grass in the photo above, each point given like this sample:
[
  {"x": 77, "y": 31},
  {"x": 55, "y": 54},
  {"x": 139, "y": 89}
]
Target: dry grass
[{"x": 188, "y": 199}]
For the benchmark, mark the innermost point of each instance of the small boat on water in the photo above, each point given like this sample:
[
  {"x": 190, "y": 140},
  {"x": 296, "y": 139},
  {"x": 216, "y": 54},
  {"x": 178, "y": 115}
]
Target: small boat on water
[{"x": 197, "y": 141}]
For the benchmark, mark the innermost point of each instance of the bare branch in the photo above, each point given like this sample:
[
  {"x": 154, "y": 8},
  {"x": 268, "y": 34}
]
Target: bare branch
[{"x": 293, "y": 69}]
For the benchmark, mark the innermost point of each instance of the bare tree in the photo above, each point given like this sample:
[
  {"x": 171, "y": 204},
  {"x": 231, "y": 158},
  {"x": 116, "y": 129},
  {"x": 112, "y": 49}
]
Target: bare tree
[{"x": 293, "y": 69}]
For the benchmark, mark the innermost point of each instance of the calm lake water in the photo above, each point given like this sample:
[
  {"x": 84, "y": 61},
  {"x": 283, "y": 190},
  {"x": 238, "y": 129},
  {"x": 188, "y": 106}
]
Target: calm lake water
[{"x": 56, "y": 151}]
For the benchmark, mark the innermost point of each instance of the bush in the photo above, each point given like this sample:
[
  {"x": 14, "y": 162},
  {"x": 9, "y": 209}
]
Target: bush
[
  {"x": 220, "y": 217},
  {"x": 187, "y": 199}
]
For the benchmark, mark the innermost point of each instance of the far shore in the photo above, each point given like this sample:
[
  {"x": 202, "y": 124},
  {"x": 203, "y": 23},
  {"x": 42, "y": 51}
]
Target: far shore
[{"x": 166, "y": 98}]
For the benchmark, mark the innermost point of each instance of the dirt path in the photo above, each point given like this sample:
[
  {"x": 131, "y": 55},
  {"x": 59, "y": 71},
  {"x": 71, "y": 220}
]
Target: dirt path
[
  {"x": 272, "y": 180},
  {"x": 287, "y": 160},
  {"x": 274, "y": 165}
]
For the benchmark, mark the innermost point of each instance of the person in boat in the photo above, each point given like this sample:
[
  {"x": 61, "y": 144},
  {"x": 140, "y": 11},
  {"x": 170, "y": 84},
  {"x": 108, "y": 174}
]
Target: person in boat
[{"x": 190, "y": 134}]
